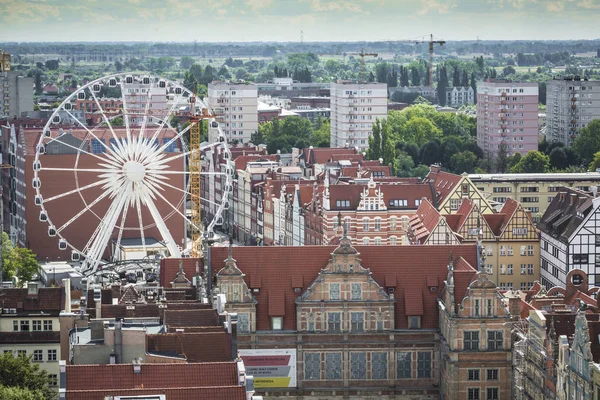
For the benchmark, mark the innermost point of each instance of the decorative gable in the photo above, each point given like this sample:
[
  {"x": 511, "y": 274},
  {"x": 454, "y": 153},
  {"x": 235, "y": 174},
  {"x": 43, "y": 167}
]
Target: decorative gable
[
  {"x": 482, "y": 299},
  {"x": 371, "y": 198},
  {"x": 230, "y": 281},
  {"x": 581, "y": 354},
  {"x": 344, "y": 297},
  {"x": 519, "y": 226}
]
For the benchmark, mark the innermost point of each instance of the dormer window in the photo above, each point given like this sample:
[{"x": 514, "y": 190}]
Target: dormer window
[
  {"x": 398, "y": 202},
  {"x": 342, "y": 203}
]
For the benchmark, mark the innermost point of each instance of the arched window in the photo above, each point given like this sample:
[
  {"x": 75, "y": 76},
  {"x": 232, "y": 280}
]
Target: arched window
[
  {"x": 365, "y": 241},
  {"x": 366, "y": 224}
]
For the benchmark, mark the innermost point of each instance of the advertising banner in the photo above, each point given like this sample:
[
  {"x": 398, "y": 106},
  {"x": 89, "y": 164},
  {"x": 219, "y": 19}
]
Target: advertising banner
[{"x": 271, "y": 368}]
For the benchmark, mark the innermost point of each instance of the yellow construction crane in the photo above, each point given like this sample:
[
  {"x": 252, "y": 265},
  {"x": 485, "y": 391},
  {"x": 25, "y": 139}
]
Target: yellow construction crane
[
  {"x": 4, "y": 61},
  {"x": 362, "y": 56},
  {"x": 431, "y": 43},
  {"x": 195, "y": 170}
]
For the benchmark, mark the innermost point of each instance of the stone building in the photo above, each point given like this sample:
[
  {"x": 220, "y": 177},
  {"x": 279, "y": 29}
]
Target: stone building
[
  {"x": 475, "y": 361},
  {"x": 358, "y": 320}
]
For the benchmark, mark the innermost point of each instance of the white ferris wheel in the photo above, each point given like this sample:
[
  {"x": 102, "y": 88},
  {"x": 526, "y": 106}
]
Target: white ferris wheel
[{"x": 124, "y": 171}]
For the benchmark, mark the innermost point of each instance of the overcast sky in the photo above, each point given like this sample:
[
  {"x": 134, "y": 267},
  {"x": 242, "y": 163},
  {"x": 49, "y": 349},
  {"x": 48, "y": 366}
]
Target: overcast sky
[{"x": 282, "y": 20}]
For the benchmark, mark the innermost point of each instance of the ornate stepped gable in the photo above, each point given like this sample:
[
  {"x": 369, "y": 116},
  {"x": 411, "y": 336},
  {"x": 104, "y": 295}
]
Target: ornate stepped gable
[
  {"x": 345, "y": 287},
  {"x": 371, "y": 198},
  {"x": 231, "y": 281}
]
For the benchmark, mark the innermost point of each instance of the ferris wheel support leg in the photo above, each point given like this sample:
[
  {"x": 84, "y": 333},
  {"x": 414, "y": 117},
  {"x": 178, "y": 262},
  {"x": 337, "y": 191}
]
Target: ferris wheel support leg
[
  {"x": 101, "y": 240},
  {"x": 164, "y": 231}
]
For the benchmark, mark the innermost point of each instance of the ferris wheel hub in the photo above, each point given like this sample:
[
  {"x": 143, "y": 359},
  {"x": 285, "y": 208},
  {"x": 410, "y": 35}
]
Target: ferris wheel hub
[{"x": 134, "y": 171}]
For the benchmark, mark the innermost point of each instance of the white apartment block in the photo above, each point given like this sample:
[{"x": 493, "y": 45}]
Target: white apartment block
[
  {"x": 236, "y": 104},
  {"x": 507, "y": 113},
  {"x": 16, "y": 94},
  {"x": 354, "y": 109},
  {"x": 143, "y": 96},
  {"x": 458, "y": 96},
  {"x": 572, "y": 103}
]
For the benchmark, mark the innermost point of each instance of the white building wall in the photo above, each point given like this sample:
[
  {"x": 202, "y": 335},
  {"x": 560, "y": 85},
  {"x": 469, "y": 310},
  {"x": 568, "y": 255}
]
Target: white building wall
[
  {"x": 354, "y": 109},
  {"x": 237, "y": 105}
]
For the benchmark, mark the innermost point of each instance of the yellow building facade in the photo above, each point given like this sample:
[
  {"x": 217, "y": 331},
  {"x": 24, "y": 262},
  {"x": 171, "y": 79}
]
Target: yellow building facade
[{"x": 534, "y": 191}]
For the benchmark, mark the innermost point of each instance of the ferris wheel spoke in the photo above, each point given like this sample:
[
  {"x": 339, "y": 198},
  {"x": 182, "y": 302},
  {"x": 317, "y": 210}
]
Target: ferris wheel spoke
[
  {"x": 163, "y": 198},
  {"x": 165, "y": 160},
  {"x": 87, "y": 208},
  {"x": 162, "y": 228},
  {"x": 96, "y": 249},
  {"x": 79, "y": 149},
  {"x": 107, "y": 121},
  {"x": 125, "y": 111},
  {"x": 158, "y": 183},
  {"x": 91, "y": 185},
  {"x": 97, "y": 170},
  {"x": 122, "y": 226},
  {"x": 141, "y": 223},
  {"x": 162, "y": 148},
  {"x": 165, "y": 120}
]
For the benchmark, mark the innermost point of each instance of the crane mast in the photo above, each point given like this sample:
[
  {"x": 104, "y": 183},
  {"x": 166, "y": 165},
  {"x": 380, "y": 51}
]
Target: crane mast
[
  {"x": 363, "y": 69},
  {"x": 431, "y": 42}
]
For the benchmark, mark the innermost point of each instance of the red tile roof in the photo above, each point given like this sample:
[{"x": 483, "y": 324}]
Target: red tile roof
[
  {"x": 207, "y": 317},
  {"x": 172, "y": 393},
  {"x": 424, "y": 221},
  {"x": 323, "y": 155},
  {"x": 277, "y": 265},
  {"x": 170, "y": 266},
  {"x": 46, "y": 299},
  {"x": 444, "y": 182},
  {"x": 193, "y": 346},
  {"x": 409, "y": 192},
  {"x": 122, "y": 376},
  {"x": 496, "y": 222}
]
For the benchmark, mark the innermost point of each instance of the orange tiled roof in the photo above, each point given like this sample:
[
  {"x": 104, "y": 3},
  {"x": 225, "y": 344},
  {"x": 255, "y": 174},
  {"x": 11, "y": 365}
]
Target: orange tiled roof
[{"x": 277, "y": 265}]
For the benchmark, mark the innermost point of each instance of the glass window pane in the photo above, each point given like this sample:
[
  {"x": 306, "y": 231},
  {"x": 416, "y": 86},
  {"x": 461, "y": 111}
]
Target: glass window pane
[
  {"x": 333, "y": 365},
  {"x": 358, "y": 366},
  {"x": 379, "y": 366}
]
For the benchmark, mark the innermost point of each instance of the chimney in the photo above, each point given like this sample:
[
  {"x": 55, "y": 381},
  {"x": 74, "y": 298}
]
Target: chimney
[
  {"x": 32, "y": 289},
  {"x": 514, "y": 304},
  {"x": 233, "y": 322},
  {"x": 67, "y": 287},
  {"x": 118, "y": 342},
  {"x": 572, "y": 198}
]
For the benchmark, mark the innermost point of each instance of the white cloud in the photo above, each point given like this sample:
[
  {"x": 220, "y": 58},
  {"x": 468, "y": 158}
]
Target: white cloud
[
  {"x": 256, "y": 5},
  {"x": 441, "y": 6}
]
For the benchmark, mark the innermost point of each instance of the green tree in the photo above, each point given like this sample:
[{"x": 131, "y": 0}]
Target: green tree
[
  {"x": 186, "y": 62},
  {"x": 587, "y": 142},
  {"x": 404, "y": 164},
  {"x": 512, "y": 161},
  {"x": 509, "y": 70},
  {"x": 558, "y": 158},
  {"x": 442, "y": 85},
  {"x": 322, "y": 134},
  {"x": 464, "y": 161},
  {"x": 430, "y": 153},
  {"x": 533, "y": 162},
  {"x": 420, "y": 130},
  {"x": 502, "y": 158},
  {"x": 21, "y": 373},
  {"x": 17, "y": 262},
  {"x": 595, "y": 164},
  {"x": 374, "y": 150},
  {"x": 17, "y": 393}
]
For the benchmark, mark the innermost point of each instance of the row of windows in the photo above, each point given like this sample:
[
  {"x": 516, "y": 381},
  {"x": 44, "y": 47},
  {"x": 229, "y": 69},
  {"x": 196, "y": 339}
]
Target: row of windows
[
  {"x": 474, "y": 374},
  {"x": 475, "y": 393},
  {"x": 526, "y": 269},
  {"x": 494, "y": 340},
  {"x": 528, "y": 250},
  {"x": 405, "y": 365},
  {"x": 37, "y": 355},
  {"x": 36, "y": 325}
]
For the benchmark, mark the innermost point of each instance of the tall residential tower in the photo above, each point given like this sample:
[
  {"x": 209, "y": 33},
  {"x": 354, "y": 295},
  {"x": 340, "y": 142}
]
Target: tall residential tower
[
  {"x": 507, "y": 113},
  {"x": 237, "y": 105},
  {"x": 572, "y": 103},
  {"x": 354, "y": 109}
]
